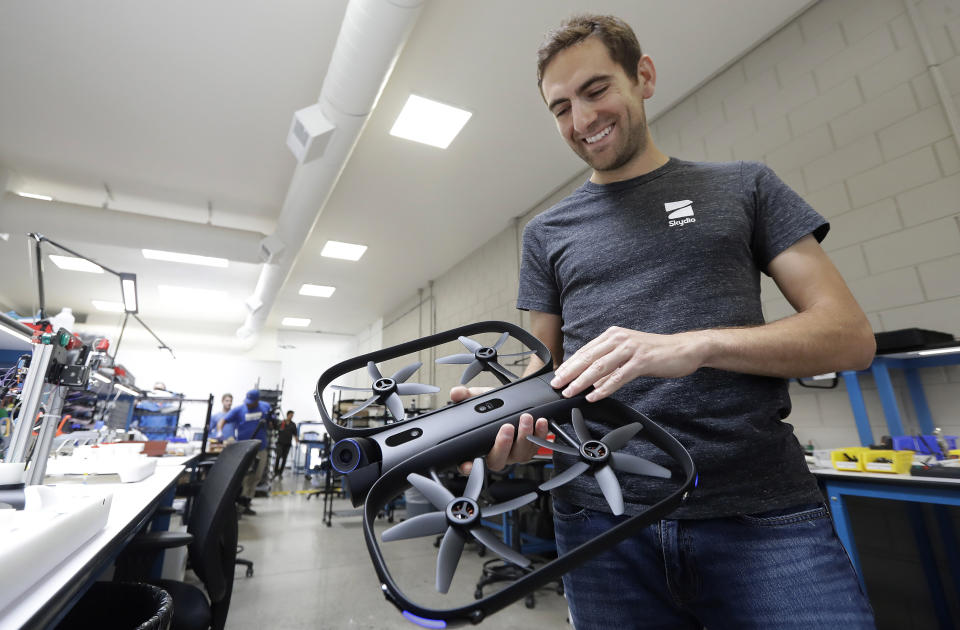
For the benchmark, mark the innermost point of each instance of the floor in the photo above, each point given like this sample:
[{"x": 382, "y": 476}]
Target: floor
[{"x": 308, "y": 575}]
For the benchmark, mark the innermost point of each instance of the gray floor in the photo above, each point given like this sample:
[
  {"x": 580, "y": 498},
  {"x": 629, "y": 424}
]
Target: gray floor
[{"x": 312, "y": 576}]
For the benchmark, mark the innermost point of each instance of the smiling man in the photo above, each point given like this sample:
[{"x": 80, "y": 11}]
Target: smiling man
[{"x": 646, "y": 281}]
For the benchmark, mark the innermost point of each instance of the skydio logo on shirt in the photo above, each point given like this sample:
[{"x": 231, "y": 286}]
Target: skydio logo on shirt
[{"x": 679, "y": 212}]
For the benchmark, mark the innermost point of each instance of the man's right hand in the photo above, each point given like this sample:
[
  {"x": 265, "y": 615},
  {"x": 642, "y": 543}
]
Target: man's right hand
[{"x": 505, "y": 450}]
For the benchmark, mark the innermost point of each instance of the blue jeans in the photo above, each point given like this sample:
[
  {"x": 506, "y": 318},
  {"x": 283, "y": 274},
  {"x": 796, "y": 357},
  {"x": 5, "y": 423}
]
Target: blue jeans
[{"x": 781, "y": 569}]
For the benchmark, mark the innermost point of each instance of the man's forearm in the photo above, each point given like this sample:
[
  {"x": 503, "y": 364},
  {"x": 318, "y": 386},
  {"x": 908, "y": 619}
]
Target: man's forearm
[{"x": 800, "y": 345}]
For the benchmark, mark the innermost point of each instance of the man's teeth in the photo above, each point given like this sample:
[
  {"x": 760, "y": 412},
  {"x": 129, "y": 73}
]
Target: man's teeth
[{"x": 602, "y": 134}]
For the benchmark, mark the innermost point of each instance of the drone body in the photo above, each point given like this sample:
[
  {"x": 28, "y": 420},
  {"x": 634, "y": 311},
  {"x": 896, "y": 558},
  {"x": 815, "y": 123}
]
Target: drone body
[{"x": 379, "y": 463}]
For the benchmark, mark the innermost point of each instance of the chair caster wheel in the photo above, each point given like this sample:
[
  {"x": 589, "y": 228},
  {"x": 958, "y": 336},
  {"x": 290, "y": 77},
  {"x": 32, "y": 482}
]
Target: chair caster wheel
[
  {"x": 478, "y": 594},
  {"x": 529, "y": 601},
  {"x": 249, "y": 571}
]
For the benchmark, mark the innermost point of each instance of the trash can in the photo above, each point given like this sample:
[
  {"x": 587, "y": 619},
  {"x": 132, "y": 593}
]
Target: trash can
[
  {"x": 121, "y": 606},
  {"x": 417, "y": 503}
]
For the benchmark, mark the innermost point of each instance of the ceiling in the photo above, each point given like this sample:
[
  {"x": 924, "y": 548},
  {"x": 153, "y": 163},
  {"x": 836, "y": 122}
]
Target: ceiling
[{"x": 162, "y": 124}]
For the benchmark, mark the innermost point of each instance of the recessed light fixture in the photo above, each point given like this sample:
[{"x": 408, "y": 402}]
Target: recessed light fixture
[
  {"x": 190, "y": 259},
  {"x": 299, "y": 322},
  {"x": 317, "y": 290},
  {"x": 429, "y": 122},
  {"x": 34, "y": 196},
  {"x": 109, "y": 307},
  {"x": 71, "y": 263},
  {"x": 345, "y": 251}
]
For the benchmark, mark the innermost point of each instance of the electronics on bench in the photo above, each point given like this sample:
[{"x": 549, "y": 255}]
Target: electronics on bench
[{"x": 944, "y": 472}]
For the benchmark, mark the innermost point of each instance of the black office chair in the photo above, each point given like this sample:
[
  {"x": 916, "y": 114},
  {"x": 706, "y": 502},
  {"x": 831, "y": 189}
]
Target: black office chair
[{"x": 212, "y": 544}]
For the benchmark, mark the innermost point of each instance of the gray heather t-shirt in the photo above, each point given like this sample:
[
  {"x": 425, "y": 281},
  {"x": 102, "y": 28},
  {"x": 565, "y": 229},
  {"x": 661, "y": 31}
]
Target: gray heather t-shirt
[{"x": 680, "y": 248}]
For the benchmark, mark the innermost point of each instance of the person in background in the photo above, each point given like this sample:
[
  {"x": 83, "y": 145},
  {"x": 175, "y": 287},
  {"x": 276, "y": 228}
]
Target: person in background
[
  {"x": 250, "y": 422},
  {"x": 288, "y": 433},
  {"x": 215, "y": 420}
]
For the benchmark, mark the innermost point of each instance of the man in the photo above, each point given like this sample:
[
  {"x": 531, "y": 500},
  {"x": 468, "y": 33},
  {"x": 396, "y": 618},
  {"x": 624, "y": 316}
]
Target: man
[
  {"x": 250, "y": 420},
  {"x": 287, "y": 433},
  {"x": 646, "y": 279},
  {"x": 215, "y": 419}
]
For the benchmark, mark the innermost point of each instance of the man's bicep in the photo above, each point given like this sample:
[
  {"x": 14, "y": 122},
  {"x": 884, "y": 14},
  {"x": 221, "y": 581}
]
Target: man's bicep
[
  {"x": 808, "y": 278},
  {"x": 547, "y": 328}
]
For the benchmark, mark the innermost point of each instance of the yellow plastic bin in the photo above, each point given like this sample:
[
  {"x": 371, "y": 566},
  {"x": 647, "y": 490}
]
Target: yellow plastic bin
[
  {"x": 897, "y": 462},
  {"x": 848, "y": 459}
]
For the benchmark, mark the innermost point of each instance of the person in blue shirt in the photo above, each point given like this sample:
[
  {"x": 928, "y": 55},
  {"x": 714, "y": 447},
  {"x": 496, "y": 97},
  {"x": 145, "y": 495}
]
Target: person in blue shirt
[
  {"x": 249, "y": 422},
  {"x": 227, "y": 401}
]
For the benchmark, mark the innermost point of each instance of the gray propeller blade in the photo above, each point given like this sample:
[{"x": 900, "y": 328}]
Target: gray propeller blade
[
  {"x": 435, "y": 493},
  {"x": 507, "y": 506},
  {"x": 450, "y": 549},
  {"x": 405, "y": 373},
  {"x": 638, "y": 465},
  {"x": 395, "y": 405},
  {"x": 471, "y": 345},
  {"x": 496, "y": 367},
  {"x": 373, "y": 371},
  {"x": 502, "y": 340},
  {"x": 429, "y": 524},
  {"x": 366, "y": 403},
  {"x": 610, "y": 488},
  {"x": 618, "y": 438},
  {"x": 457, "y": 359},
  {"x": 412, "y": 389},
  {"x": 350, "y": 389},
  {"x": 568, "y": 475},
  {"x": 491, "y": 542},
  {"x": 583, "y": 433},
  {"x": 475, "y": 480},
  {"x": 472, "y": 370},
  {"x": 553, "y": 446}
]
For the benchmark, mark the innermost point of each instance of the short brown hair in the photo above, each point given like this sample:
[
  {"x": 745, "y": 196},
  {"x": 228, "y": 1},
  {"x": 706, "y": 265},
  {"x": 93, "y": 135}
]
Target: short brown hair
[{"x": 616, "y": 35}]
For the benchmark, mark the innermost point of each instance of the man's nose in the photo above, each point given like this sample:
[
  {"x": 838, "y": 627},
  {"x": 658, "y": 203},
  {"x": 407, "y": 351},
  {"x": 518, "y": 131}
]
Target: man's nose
[{"x": 583, "y": 117}]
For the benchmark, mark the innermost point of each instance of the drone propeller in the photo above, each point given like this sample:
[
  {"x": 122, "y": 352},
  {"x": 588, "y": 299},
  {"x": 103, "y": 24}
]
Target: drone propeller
[
  {"x": 387, "y": 391},
  {"x": 458, "y": 519},
  {"x": 483, "y": 358},
  {"x": 601, "y": 456}
]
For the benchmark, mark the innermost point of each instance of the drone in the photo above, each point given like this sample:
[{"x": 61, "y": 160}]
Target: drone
[{"x": 381, "y": 462}]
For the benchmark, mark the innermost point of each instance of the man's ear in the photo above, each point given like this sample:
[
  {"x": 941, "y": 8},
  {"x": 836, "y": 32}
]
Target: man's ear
[{"x": 647, "y": 73}]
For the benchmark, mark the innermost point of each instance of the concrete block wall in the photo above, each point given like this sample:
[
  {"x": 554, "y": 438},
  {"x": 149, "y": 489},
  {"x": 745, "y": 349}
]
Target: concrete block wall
[{"x": 840, "y": 103}]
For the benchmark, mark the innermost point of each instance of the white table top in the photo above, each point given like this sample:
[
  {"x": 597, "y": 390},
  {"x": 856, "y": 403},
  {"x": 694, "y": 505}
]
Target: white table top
[{"x": 129, "y": 502}]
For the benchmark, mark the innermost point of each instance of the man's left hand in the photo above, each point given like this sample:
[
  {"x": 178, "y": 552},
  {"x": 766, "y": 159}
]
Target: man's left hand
[{"x": 620, "y": 355}]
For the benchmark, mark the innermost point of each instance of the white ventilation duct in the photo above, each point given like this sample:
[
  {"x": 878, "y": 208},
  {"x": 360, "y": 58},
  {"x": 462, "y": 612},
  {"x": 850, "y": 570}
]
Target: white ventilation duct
[{"x": 370, "y": 40}]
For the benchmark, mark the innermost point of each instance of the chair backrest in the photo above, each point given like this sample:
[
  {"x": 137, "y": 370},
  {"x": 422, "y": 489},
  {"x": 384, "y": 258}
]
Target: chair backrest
[{"x": 213, "y": 522}]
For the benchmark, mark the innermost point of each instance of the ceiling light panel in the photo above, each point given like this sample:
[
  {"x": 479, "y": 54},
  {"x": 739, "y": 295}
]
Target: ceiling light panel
[
  {"x": 35, "y": 196},
  {"x": 429, "y": 122},
  {"x": 190, "y": 259},
  {"x": 72, "y": 263},
  {"x": 297, "y": 322},
  {"x": 317, "y": 290},
  {"x": 344, "y": 251}
]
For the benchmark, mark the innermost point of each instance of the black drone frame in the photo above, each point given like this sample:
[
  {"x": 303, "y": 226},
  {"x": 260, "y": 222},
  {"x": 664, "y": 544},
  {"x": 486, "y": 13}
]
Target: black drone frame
[{"x": 376, "y": 461}]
